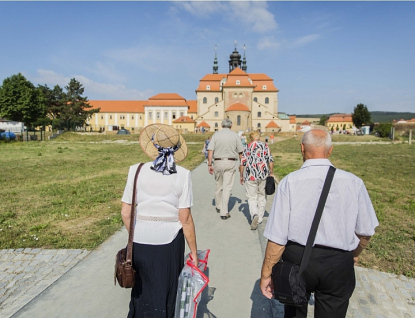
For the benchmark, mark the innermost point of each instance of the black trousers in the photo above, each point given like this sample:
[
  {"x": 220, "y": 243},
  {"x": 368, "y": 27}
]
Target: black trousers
[{"x": 330, "y": 275}]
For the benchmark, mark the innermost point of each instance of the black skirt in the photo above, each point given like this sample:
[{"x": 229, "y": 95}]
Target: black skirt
[{"x": 158, "y": 268}]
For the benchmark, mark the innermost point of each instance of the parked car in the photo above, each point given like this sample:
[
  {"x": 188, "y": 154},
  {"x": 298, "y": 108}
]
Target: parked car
[{"x": 123, "y": 131}]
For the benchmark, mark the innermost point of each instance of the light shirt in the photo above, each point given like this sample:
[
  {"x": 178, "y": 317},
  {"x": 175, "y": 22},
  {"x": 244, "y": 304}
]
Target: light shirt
[
  {"x": 226, "y": 144},
  {"x": 348, "y": 210},
  {"x": 256, "y": 157},
  {"x": 158, "y": 195}
]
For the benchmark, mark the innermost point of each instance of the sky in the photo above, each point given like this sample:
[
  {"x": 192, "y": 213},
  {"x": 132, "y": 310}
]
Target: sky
[{"x": 324, "y": 57}]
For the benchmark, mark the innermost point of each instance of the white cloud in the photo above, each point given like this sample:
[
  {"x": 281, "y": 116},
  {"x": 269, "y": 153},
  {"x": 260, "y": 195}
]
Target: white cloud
[
  {"x": 93, "y": 89},
  {"x": 253, "y": 15},
  {"x": 304, "y": 40},
  {"x": 268, "y": 43}
]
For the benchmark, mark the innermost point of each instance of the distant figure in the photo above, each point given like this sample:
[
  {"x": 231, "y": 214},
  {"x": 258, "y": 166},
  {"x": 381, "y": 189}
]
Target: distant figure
[
  {"x": 258, "y": 164},
  {"x": 272, "y": 138},
  {"x": 205, "y": 147},
  {"x": 266, "y": 139},
  {"x": 225, "y": 149},
  {"x": 163, "y": 221},
  {"x": 243, "y": 140},
  {"x": 347, "y": 223}
]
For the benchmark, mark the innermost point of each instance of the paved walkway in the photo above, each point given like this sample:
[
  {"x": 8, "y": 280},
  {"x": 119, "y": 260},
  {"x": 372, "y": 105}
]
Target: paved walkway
[{"x": 76, "y": 283}]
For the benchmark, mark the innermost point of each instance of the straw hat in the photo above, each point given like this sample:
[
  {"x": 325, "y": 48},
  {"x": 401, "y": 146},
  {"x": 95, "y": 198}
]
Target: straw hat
[{"x": 166, "y": 137}]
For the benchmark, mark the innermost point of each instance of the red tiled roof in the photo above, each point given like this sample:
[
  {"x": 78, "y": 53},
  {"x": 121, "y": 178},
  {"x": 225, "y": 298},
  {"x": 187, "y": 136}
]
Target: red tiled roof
[
  {"x": 203, "y": 124},
  {"x": 192, "y": 106},
  {"x": 184, "y": 119},
  {"x": 237, "y": 107},
  {"x": 292, "y": 120},
  {"x": 272, "y": 124},
  {"x": 118, "y": 106},
  {"x": 306, "y": 123},
  {"x": 340, "y": 118},
  {"x": 169, "y": 96}
]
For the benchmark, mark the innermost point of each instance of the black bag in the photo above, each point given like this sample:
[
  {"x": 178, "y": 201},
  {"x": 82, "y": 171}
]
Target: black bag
[
  {"x": 289, "y": 284},
  {"x": 270, "y": 185},
  {"x": 288, "y": 280}
]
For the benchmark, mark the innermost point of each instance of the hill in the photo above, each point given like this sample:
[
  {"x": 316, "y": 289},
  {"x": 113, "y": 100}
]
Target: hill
[{"x": 377, "y": 116}]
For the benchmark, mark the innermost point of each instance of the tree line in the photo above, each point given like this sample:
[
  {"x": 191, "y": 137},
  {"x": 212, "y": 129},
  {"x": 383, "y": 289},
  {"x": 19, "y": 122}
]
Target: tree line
[{"x": 63, "y": 108}]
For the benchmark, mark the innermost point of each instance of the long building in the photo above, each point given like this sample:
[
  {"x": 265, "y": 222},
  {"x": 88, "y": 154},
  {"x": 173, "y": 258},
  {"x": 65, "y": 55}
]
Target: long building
[{"x": 250, "y": 100}]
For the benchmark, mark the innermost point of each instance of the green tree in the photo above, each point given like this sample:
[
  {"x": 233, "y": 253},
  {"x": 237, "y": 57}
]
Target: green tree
[
  {"x": 323, "y": 120},
  {"x": 21, "y": 101},
  {"x": 75, "y": 109},
  {"x": 361, "y": 115},
  {"x": 383, "y": 129},
  {"x": 54, "y": 100}
]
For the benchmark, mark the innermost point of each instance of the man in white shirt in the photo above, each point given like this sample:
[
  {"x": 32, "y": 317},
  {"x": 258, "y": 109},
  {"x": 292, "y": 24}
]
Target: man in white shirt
[{"x": 347, "y": 223}]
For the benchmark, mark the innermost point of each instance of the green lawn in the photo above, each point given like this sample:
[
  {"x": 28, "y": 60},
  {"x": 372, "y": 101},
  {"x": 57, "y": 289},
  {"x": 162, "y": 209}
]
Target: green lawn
[{"x": 388, "y": 172}]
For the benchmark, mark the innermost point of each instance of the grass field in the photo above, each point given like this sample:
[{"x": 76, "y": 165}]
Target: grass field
[
  {"x": 66, "y": 193},
  {"x": 388, "y": 171}
]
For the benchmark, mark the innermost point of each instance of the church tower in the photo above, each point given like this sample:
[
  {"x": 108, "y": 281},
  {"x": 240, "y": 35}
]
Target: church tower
[
  {"x": 244, "y": 67},
  {"x": 215, "y": 63},
  {"x": 235, "y": 60}
]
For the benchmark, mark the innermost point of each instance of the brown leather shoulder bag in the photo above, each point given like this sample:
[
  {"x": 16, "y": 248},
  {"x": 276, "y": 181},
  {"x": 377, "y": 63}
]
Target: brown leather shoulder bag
[{"x": 124, "y": 272}]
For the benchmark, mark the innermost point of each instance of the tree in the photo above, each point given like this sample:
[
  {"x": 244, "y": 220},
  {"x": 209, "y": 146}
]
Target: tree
[
  {"x": 361, "y": 115},
  {"x": 383, "y": 129},
  {"x": 323, "y": 120},
  {"x": 75, "y": 109},
  {"x": 20, "y": 100},
  {"x": 54, "y": 100}
]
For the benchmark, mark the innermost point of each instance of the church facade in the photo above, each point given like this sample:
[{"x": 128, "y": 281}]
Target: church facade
[{"x": 250, "y": 100}]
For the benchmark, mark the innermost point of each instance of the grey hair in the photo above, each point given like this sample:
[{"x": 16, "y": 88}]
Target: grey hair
[
  {"x": 317, "y": 138},
  {"x": 226, "y": 123}
]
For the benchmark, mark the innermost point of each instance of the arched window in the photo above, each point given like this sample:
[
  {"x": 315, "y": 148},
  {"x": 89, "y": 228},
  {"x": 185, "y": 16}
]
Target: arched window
[
  {"x": 259, "y": 114},
  {"x": 238, "y": 120},
  {"x": 266, "y": 100},
  {"x": 216, "y": 99},
  {"x": 255, "y": 99},
  {"x": 216, "y": 114},
  {"x": 204, "y": 100},
  {"x": 216, "y": 125},
  {"x": 259, "y": 125}
]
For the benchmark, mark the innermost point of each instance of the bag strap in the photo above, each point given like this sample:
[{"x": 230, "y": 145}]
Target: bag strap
[
  {"x": 129, "y": 256},
  {"x": 316, "y": 220}
]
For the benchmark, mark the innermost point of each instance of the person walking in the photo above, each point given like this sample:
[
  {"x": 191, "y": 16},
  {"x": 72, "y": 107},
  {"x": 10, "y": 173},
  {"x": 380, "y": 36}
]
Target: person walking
[
  {"x": 347, "y": 223},
  {"x": 256, "y": 164},
  {"x": 163, "y": 221},
  {"x": 205, "y": 147},
  {"x": 272, "y": 138},
  {"x": 225, "y": 149}
]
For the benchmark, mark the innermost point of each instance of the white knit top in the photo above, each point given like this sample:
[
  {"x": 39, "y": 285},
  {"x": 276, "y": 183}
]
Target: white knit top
[{"x": 158, "y": 200}]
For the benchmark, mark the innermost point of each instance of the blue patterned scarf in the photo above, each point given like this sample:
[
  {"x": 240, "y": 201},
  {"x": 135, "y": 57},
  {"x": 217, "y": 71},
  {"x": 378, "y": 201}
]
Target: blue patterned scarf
[{"x": 165, "y": 160}]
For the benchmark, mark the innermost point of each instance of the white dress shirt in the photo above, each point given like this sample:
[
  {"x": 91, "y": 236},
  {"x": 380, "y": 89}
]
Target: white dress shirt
[
  {"x": 158, "y": 196},
  {"x": 348, "y": 210}
]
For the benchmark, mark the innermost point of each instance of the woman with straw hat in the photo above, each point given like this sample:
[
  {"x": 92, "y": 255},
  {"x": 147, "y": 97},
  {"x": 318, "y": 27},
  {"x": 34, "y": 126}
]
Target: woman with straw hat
[{"x": 163, "y": 220}]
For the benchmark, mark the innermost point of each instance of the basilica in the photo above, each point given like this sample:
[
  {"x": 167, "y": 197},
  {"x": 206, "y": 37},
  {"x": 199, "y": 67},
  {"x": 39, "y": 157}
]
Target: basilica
[{"x": 250, "y": 100}]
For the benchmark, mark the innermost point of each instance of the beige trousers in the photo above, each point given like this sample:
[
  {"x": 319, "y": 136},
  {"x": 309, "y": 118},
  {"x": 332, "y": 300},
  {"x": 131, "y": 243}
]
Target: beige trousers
[
  {"x": 224, "y": 171},
  {"x": 255, "y": 192}
]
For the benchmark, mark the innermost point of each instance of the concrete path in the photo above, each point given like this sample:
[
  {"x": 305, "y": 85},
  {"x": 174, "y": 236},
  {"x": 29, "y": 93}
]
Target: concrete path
[{"x": 87, "y": 289}]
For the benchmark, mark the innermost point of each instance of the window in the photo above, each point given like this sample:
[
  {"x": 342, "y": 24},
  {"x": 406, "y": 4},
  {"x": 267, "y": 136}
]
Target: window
[
  {"x": 238, "y": 120},
  {"x": 181, "y": 114},
  {"x": 173, "y": 115},
  {"x": 110, "y": 116},
  {"x": 216, "y": 125},
  {"x": 102, "y": 116},
  {"x": 238, "y": 82},
  {"x": 208, "y": 87},
  {"x": 166, "y": 115},
  {"x": 216, "y": 99},
  {"x": 216, "y": 114},
  {"x": 204, "y": 100},
  {"x": 255, "y": 99},
  {"x": 122, "y": 116},
  {"x": 259, "y": 114},
  {"x": 259, "y": 125},
  {"x": 132, "y": 117},
  {"x": 264, "y": 86},
  {"x": 266, "y": 100},
  {"x": 150, "y": 115},
  {"x": 158, "y": 115}
]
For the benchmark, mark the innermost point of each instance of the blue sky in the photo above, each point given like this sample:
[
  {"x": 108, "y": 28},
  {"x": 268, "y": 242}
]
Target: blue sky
[{"x": 324, "y": 57}]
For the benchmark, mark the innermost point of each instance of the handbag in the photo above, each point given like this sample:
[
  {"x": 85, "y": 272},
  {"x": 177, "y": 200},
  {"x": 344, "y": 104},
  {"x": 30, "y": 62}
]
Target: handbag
[
  {"x": 289, "y": 284},
  {"x": 270, "y": 185},
  {"x": 124, "y": 272}
]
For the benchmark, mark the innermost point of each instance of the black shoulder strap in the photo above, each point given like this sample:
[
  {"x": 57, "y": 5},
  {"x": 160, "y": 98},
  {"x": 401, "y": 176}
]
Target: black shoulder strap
[{"x": 317, "y": 217}]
